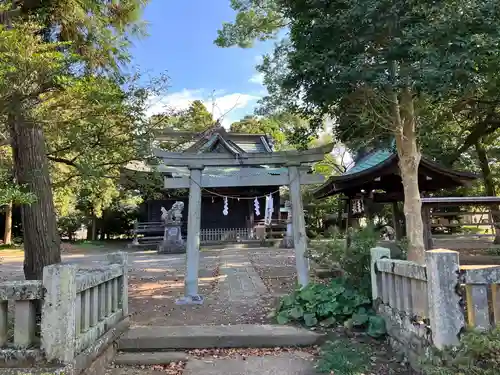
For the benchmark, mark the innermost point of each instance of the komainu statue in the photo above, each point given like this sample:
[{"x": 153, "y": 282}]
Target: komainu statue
[
  {"x": 172, "y": 238},
  {"x": 174, "y": 215}
]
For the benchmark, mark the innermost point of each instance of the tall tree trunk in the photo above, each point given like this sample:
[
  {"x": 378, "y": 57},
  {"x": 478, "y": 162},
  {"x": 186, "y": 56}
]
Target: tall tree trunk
[
  {"x": 7, "y": 234},
  {"x": 489, "y": 185},
  {"x": 42, "y": 245},
  {"x": 94, "y": 229},
  {"x": 409, "y": 161}
]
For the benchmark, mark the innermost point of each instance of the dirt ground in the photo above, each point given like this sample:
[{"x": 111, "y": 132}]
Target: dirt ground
[{"x": 156, "y": 281}]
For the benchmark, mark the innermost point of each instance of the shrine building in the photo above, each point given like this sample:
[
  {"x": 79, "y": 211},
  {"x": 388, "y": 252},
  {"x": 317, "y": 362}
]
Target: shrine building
[{"x": 237, "y": 187}]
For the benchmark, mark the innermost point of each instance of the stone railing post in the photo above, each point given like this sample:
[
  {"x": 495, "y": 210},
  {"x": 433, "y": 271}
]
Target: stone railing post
[
  {"x": 58, "y": 327},
  {"x": 121, "y": 258},
  {"x": 376, "y": 254},
  {"x": 445, "y": 314}
]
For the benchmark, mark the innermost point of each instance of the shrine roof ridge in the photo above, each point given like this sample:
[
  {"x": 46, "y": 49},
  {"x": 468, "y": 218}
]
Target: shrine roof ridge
[
  {"x": 207, "y": 141},
  {"x": 383, "y": 162}
]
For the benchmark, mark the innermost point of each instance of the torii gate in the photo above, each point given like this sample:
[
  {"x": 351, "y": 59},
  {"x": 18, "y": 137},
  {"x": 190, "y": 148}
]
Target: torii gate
[{"x": 294, "y": 177}]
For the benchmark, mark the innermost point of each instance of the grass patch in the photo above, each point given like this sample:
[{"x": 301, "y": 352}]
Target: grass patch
[
  {"x": 11, "y": 247},
  {"x": 86, "y": 243},
  {"x": 343, "y": 357},
  {"x": 473, "y": 229}
]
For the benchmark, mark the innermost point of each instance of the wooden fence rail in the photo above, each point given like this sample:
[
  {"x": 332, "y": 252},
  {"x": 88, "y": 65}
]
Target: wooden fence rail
[{"x": 225, "y": 234}]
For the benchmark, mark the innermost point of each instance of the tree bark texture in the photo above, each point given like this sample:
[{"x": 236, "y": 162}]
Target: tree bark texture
[
  {"x": 7, "y": 234},
  {"x": 409, "y": 161},
  {"x": 41, "y": 239},
  {"x": 489, "y": 186}
]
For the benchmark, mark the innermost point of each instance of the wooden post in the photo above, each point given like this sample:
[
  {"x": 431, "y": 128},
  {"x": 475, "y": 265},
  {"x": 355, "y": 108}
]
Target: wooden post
[
  {"x": 426, "y": 220},
  {"x": 193, "y": 239},
  {"x": 299, "y": 227},
  {"x": 396, "y": 214},
  {"x": 368, "y": 206},
  {"x": 348, "y": 222}
]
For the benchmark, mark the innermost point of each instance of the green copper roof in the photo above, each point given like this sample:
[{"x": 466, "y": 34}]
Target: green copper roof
[{"x": 368, "y": 161}]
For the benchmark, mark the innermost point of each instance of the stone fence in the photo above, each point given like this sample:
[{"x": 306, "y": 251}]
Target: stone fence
[
  {"x": 424, "y": 305},
  {"x": 83, "y": 310}
]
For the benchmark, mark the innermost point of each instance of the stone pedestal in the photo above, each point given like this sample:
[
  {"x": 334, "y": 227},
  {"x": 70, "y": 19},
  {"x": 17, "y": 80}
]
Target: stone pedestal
[
  {"x": 288, "y": 239},
  {"x": 287, "y": 242},
  {"x": 172, "y": 241}
]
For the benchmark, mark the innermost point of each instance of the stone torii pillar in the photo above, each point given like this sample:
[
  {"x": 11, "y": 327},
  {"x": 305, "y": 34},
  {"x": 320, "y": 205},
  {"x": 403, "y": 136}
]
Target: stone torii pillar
[
  {"x": 191, "y": 295},
  {"x": 298, "y": 226}
]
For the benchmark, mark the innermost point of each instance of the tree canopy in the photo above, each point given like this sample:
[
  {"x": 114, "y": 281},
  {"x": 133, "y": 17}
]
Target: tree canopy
[{"x": 372, "y": 66}]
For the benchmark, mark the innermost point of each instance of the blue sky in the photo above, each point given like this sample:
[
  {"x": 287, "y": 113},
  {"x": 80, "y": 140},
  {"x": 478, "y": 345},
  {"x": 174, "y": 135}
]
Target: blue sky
[{"x": 180, "y": 42}]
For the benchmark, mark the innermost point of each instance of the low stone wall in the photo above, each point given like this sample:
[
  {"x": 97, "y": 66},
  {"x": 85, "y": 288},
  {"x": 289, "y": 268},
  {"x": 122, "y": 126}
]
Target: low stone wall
[
  {"x": 83, "y": 313},
  {"x": 19, "y": 331},
  {"x": 419, "y": 303},
  {"x": 424, "y": 306},
  {"x": 407, "y": 336}
]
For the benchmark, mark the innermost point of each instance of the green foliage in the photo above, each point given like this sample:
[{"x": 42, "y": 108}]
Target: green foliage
[
  {"x": 70, "y": 224},
  {"x": 328, "y": 253},
  {"x": 341, "y": 357},
  {"x": 477, "y": 354},
  {"x": 195, "y": 118},
  {"x": 403, "y": 245},
  {"x": 99, "y": 31},
  {"x": 119, "y": 218},
  {"x": 380, "y": 70},
  {"x": 355, "y": 261},
  {"x": 317, "y": 210},
  {"x": 330, "y": 304},
  {"x": 280, "y": 126},
  {"x": 256, "y": 19}
]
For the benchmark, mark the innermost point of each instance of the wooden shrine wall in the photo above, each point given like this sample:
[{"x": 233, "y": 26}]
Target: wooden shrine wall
[{"x": 211, "y": 211}]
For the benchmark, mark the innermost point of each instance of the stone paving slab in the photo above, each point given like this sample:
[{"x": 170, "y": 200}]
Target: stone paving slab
[
  {"x": 150, "y": 358},
  {"x": 152, "y": 338},
  {"x": 285, "y": 364}
]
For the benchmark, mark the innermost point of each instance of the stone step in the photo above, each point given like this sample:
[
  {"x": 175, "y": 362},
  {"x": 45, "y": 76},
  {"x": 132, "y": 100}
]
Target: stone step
[
  {"x": 160, "y": 338},
  {"x": 34, "y": 371},
  {"x": 149, "y": 359},
  {"x": 282, "y": 364}
]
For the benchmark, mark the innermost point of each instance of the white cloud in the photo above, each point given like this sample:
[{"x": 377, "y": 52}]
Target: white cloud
[
  {"x": 221, "y": 106},
  {"x": 257, "y": 78}
]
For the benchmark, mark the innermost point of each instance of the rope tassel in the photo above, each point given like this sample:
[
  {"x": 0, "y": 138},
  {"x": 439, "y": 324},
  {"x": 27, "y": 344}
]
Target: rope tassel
[
  {"x": 225, "y": 211},
  {"x": 257, "y": 206}
]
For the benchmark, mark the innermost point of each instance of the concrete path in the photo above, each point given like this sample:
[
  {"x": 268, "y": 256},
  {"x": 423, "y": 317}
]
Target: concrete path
[
  {"x": 241, "y": 295},
  {"x": 284, "y": 364}
]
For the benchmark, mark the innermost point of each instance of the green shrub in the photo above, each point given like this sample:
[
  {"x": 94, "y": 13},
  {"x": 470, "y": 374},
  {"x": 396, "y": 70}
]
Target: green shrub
[
  {"x": 478, "y": 354},
  {"x": 403, "y": 246},
  {"x": 327, "y": 254},
  {"x": 70, "y": 224},
  {"x": 329, "y": 305},
  {"x": 356, "y": 260}
]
